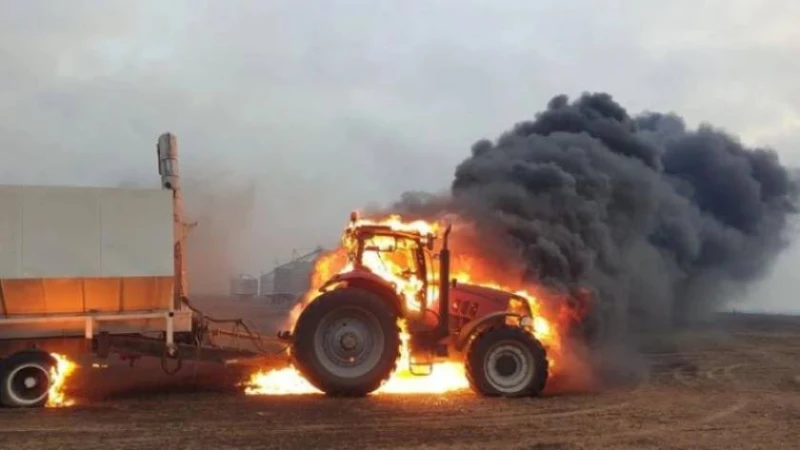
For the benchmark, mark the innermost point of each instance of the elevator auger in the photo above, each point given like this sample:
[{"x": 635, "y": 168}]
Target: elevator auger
[{"x": 346, "y": 341}]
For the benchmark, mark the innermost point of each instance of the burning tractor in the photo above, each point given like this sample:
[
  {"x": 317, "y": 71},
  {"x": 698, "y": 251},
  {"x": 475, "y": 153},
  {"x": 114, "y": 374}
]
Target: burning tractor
[{"x": 347, "y": 340}]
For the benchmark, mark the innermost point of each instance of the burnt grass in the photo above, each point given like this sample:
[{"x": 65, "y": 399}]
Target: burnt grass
[{"x": 735, "y": 385}]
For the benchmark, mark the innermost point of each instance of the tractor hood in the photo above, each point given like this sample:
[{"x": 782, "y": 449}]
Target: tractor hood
[
  {"x": 487, "y": 292},
  {"x": 477, "y": 301}
]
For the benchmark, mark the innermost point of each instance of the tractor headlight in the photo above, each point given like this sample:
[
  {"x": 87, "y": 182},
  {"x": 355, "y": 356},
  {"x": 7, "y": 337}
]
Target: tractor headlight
[{"x": 526, "y": 322}]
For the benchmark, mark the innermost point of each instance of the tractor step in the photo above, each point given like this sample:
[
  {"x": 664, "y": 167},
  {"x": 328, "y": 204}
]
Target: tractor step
[
  {"x": 428, "y": 369},
  {"x": 421, "y": 367}
]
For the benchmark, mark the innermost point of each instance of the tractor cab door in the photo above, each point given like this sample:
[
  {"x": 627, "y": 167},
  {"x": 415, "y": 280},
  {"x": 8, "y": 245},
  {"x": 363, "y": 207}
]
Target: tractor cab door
[
  {"x": 430, "y": 264},
  {"x": 398, "y": 261}
]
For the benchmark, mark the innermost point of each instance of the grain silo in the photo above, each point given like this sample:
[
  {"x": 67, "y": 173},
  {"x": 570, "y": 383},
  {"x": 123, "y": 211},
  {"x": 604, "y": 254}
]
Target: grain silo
[
  {"x": 244, "y": 286},
  {"x": 292, "y": 277}
]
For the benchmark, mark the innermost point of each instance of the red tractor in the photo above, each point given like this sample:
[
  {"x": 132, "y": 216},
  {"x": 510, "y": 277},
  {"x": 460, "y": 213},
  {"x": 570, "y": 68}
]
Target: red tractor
[{"x": 347, "y": 340}]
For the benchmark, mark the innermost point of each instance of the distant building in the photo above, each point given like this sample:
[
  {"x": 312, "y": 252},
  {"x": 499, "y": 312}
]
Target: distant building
[
  {"x": 292, "y": 277},
  {"x": 244, "y": 286}
]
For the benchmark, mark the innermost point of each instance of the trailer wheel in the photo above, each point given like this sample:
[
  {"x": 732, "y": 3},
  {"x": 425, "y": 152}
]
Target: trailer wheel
[
  {"x": 506, "y": 361},
  {"x": 25, "y": 379},
  {"x": 346, "y": 342}
]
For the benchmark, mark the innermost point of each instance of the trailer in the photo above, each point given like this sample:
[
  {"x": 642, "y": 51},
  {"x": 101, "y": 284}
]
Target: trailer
[{"x": 87, "y": 272}]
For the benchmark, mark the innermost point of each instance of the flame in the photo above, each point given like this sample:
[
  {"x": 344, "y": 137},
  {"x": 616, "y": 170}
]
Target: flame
[
  {"x": 58, "y": 378},
  {"x": 327, "y": 265},
  {"x": 443, "y": 377},
  {"x": 279, "y": 382},
  {"x": 389, "y": 259},
  {"x": 396, "y": 223}
]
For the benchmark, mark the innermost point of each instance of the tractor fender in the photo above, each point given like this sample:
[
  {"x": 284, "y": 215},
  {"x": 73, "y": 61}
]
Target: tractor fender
[
  {"x": 468, "y": 330},
  {"x": 369, "y": 282}
]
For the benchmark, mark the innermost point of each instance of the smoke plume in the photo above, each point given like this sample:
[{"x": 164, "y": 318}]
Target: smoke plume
[
  {"x": 659, "y": 221},
  {"x": 223, "y": 211}
]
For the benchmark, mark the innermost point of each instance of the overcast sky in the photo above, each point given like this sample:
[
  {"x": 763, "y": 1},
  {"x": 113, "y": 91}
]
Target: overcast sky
[{"x": 328, "y": 105}]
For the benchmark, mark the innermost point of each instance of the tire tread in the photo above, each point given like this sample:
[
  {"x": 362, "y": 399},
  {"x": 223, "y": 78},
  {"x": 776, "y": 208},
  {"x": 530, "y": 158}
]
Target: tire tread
[
  {"x": 302, "y": 355},
  {"x": 473, "y": 360}
]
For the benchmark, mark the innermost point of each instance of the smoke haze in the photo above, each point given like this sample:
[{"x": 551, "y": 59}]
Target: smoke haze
[
  {"x": 325, "y": 107},
  {"x": 661, "y": 221}
]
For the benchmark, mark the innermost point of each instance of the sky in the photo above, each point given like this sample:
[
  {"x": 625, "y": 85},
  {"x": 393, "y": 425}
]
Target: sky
[{"x": 289, "y": 114}]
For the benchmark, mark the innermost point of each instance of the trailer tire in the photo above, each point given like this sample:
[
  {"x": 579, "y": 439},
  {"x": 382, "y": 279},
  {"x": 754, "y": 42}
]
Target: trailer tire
[
  {"x": 506, "y": 361},
  {"x": 25, "y": 379},
  {"x": 346, "y": 342}
]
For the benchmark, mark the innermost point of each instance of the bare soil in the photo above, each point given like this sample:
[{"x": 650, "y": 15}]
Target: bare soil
[{"x": 735, "y": 386}]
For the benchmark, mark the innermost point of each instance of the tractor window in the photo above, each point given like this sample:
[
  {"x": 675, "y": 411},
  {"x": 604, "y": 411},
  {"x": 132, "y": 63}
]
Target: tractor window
[
  {"x": 431, "y": 267},
  {"x": 380, "y": 244},
  {"x": 391, "y": 255},
  {"x": 394, "y": 255},
  {"x": 404, "y": 257},
  {"x": 397, "y": 261}
]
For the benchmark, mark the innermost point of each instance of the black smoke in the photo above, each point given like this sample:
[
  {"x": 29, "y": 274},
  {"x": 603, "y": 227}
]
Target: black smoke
[{"x": 660, "y": 221}]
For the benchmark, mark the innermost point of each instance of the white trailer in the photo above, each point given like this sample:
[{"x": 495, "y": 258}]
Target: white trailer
[
  {"x": 78, "y": 261},
  {"x": 85, "y": 270}
]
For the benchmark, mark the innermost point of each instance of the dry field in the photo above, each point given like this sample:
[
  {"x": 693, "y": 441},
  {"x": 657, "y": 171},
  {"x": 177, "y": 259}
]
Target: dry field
[{"x": 731, "y": 386}]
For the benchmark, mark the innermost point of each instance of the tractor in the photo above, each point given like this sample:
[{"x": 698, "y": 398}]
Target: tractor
[{"x": 346, "y": 341}]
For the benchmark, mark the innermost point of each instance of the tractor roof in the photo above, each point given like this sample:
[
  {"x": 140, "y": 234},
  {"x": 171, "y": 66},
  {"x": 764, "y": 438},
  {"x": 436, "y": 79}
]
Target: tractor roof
[
  {"x": 393, "y": 225},
  {"x": 387, "y": 230}
]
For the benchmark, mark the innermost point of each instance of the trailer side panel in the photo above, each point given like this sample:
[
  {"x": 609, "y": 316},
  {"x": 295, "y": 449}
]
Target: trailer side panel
[
  {"x": 67, "y": 232},
  {"x": 78, "y": 261}
]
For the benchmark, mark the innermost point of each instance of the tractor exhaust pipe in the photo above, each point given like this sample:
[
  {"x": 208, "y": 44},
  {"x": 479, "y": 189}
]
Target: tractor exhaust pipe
[{"x": 444, "y": 286}]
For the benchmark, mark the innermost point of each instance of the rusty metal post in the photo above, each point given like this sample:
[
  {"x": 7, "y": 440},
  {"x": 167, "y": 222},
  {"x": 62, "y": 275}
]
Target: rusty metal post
[
  {"x": 3, "y": 310},
  {"x": 167, "y": 150}
]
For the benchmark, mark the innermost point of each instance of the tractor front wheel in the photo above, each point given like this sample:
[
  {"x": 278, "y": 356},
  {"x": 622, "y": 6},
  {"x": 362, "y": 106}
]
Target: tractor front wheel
[
  {"x": 506, "y": 361},
  {"x": 346, "y": 342}
]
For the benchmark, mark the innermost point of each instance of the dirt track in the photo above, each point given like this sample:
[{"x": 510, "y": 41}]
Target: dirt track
[{"x": 737, "y": 389}]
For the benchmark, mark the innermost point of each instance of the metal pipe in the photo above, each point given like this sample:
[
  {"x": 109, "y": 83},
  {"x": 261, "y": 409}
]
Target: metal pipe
[
  {"x": 167, "y": 151},
  {"x": 170, "y": 333},
  {"x": 83, "y": 317},
  {"x": 444, "y": 286},
  {"x": 3, "y": 310},
  {"x": 89, "y": 329}
]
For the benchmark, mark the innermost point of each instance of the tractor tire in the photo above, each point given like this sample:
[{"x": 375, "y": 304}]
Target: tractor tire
[
  {"x": 25, "y": 379},
  {"x": 347, "y": 342},
  {"x": 506, "y": 361}
]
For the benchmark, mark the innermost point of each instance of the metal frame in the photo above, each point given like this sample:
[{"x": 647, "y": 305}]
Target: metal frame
[{"x": 90, "y": 320}]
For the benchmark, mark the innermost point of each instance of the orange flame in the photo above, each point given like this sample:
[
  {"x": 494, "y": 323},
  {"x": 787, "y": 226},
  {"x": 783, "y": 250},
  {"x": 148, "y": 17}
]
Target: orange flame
[
  {"x": 58, "y": 379},
  {"x": 279, "y": 382},
  {"x": 446, "y": 376},
  {"x": 467, "y": 267},
  {"x": 443, "y": 377}
]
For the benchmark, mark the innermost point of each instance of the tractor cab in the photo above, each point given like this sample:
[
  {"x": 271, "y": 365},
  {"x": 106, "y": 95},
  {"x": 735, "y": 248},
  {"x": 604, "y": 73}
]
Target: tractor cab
[{"x": 403, "y": 258}]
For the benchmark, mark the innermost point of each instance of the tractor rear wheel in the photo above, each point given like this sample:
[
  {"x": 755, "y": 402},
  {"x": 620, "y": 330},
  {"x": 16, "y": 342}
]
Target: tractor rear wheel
[
  {"x": 347, "y": 342},
  {"x": 506, "y": 361}
]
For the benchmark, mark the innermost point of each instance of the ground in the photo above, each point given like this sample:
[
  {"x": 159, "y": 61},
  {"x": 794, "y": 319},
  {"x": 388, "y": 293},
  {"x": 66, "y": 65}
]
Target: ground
[{"x": 735, "y": 386}]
